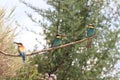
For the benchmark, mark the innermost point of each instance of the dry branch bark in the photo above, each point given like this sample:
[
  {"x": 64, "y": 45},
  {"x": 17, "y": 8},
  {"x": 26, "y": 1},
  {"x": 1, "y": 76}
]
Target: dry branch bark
[{"x": 49, "y": 49}]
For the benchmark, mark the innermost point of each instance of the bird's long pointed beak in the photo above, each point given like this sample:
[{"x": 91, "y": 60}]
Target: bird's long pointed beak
[{"x": 15, "y": 43}]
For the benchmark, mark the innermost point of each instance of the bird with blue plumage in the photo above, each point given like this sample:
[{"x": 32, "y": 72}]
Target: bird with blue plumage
[
  {"x": 91, "y": 30},
  {"x": 57, "y": 40},
  {"x": 22, "y": 51},
  {"x": 90, "y": 33}
]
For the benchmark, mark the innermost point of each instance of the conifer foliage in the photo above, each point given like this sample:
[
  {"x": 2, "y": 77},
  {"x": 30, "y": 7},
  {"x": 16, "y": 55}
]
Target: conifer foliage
[{"x": 71, "y": 18}]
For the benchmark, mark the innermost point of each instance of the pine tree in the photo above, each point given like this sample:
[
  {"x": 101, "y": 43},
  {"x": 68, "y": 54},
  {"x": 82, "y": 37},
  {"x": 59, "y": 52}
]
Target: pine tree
[{"x": 75, "y": 62}]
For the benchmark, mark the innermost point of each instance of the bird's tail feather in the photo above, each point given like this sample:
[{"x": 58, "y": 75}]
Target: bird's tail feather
[
  {"x": 23, "y": 55},
  {"x": 89, "y": 44}
]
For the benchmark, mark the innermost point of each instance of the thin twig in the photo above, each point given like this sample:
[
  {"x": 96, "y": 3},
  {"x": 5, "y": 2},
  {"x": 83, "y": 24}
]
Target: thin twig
[{"x": 49, "y": 49}]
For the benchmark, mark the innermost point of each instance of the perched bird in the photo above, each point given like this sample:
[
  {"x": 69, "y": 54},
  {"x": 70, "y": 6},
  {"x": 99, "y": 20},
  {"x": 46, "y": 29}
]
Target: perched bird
[
  {"x": 22, "y": 51},
  {"x": 91, "y": 30},
  {"x": 57, "y": 40},
  {"x": 90, "y": 33}
]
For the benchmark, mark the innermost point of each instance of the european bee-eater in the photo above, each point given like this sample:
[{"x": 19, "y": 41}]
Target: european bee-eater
[
  {"x": 57, "y": 40},
  {"x": 90, "y": 33},
  {"x": 22, "y": 51}
]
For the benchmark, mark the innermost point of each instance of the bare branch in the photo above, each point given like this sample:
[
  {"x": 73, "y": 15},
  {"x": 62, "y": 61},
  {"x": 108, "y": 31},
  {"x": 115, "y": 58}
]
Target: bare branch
[{"x": 49, "y": 49}]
